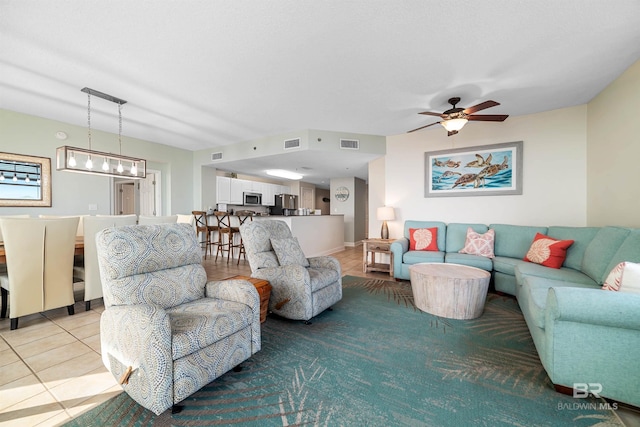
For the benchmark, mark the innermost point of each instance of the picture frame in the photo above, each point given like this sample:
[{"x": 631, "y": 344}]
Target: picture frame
[
  {"x": 488, "y": 170},
  {"x": 25, "y": 180}
]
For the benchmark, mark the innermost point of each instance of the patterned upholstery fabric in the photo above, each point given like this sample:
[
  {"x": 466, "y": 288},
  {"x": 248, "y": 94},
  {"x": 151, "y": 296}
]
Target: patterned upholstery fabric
[
  {"x": 297, "y": 292},
  {"x": 163, "y": 319}
]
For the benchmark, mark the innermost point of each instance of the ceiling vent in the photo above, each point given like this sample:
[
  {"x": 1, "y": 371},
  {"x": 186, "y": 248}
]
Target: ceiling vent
[
  {"x": 350, "y": 144},
  {"x": 216, "y": 156},
  {"x": 291, "y": 143}
]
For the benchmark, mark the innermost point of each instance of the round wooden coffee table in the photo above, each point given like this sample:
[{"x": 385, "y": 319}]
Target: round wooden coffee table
[{"x": 449, "y": 290}]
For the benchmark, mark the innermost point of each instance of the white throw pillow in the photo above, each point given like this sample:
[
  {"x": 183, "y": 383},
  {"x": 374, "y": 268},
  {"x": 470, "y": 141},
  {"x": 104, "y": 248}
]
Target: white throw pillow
[{"x": 625, "y": 277}]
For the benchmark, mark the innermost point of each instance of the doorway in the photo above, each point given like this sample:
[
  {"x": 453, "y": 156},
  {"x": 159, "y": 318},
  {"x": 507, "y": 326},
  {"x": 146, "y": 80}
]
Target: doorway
[{"x": 140, "y": 197}]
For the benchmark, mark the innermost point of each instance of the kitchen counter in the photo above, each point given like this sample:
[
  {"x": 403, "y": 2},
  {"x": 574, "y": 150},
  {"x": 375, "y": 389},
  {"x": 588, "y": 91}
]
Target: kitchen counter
[{"x": 317, "y": 234}]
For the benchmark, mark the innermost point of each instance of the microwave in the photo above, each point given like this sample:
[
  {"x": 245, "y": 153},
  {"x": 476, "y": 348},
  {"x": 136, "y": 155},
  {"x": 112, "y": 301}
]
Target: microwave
[{"x": 252, "y": 199}]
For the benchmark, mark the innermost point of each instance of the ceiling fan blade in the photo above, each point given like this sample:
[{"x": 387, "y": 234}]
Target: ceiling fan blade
[
  {"x": 482, "y": 106},
  {"x": 429, "y": 113},
  {"x": 422, "y": 127},
  {"x": 488, "y": 117}
]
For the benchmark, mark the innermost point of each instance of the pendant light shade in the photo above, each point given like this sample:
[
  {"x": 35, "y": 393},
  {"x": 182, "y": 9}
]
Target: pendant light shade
[{"x": 69, "y": 158}]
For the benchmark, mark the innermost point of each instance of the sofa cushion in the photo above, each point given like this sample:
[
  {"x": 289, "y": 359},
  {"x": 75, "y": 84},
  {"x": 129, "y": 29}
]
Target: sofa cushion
[
  {"x": 415, "y": 257},
  {"x": 624, "y": 277},
  {"x": 457, "y": 234},
  {"x": 598, "y": 255},
  {"x": 581, "y": 237},
  {"x": 477, "y": 261},
  {"x": 547, "y": 251},
  {"x": 563, "y": 274},
  {"x": 479, "y": 244},
  {"x": 507, "y": 265},
  {"x": 441, "y": 226},
  {"x": 513, "y": 241},
  {"x": 423, "y": 239},
  {"x": 289, "y": 252},
  {"x": 198, "y": 324}
]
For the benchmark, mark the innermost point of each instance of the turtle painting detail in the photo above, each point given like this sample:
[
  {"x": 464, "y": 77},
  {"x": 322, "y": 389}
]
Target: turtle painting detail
[{"x": 488, "y": 170}]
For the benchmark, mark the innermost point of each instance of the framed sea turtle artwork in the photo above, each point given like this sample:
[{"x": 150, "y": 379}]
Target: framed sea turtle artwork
[{"x": 488, "y": 170}]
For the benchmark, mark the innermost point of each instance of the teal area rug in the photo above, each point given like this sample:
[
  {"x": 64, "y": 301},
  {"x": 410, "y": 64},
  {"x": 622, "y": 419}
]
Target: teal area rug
[{"x": 376, "y": 360}]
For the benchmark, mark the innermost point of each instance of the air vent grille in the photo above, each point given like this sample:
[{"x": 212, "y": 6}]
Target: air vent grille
[
  {"x": 216, "y": 156},
  {"x": 350, "y": 144},
  {"x": 291, "y": 143}
]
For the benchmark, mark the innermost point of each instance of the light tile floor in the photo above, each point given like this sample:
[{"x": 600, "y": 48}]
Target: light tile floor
[{"x": 51, "y": 370}]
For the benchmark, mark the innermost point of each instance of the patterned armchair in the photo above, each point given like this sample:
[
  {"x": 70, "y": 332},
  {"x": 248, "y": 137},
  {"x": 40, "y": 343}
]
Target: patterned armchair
[
  {"x": 176, "y": 331},
  {"x": 301, "y": 287}
]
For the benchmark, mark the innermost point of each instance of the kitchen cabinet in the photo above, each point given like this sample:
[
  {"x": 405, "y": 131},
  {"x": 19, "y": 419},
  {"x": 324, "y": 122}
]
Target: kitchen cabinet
[
  {"x": 268, "y": 194},
  {"x": 223, "y": 189},
  {"x": 236, "y": 188},
  {"x": 229, "y": 190}
]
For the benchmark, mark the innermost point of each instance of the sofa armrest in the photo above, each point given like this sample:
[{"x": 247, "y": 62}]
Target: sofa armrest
[
  {"x": 398, "y": 248},
  {"x": 244, "y": 292},
  {"x": 593, "y": 306},
  {"x": 139, "y": 336},
  {"x": 325, "y": 262}
]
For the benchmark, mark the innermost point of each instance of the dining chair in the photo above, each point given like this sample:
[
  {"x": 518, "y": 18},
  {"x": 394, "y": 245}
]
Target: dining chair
[
  {"x": 152, "y": 219},
  {"x": 90, "y": 273},
  {"x": 12, "y": 216},
  {"x": 39, "y": 274},
  {"x": 204, "y": 230}
]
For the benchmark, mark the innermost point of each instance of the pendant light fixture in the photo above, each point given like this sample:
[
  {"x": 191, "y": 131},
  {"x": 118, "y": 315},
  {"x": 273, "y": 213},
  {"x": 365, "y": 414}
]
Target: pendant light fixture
[{"x": 69, "y": 158}]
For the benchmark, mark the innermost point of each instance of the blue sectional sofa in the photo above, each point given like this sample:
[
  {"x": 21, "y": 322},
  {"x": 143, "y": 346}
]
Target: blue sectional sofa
[{"x": 583, "y": 334}]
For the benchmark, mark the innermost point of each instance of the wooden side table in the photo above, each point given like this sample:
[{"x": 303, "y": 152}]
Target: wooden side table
[
  {"x": 264, "y": 290},
  {"x": 377, "y": 246}
]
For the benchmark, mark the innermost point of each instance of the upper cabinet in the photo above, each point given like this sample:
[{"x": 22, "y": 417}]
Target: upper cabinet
[
  {"x": 229, "y": 190},
  {"x": 223, "y": 189}
]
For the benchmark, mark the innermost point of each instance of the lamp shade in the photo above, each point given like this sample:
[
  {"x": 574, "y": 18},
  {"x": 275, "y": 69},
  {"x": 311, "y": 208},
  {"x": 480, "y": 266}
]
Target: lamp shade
[
  {"x": 385, "y": 213},
  {"x": 454, "y": 124}
]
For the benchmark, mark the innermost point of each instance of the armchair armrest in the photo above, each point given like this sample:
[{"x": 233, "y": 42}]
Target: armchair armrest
[
  {"x": 325, "y": 262},
  {"x": 237, "y": 290},
  {"x": 593, "y": 306},
  {"x": 139, "y": 336},
  {"x": 290, "y": 287},
  {"x": 244, "y": 292}
]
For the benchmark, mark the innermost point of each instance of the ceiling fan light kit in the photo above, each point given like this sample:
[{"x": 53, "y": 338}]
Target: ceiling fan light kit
[
  {"x": 454, "y": 124},
  {"x": 454, "y": 119}
]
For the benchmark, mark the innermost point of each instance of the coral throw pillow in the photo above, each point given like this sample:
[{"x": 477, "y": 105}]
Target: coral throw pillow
[
  {"x": 423, "y": 239},
  {"x": 548, "y": 251},
  {"x": 625, "y": 277},
  {"x": 479, "y": 244}
]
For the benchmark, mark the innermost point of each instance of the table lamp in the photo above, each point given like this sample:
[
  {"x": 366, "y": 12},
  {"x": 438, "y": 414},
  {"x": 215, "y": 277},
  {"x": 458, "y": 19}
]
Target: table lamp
[{"x": 385, "y": 214}]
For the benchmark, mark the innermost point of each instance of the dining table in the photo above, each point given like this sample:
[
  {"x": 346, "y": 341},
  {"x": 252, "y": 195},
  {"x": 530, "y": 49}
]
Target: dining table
[{"x": 79, "y": 249}]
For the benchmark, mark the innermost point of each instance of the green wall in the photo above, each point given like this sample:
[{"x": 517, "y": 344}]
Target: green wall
[{"x": 73, "y": 193}]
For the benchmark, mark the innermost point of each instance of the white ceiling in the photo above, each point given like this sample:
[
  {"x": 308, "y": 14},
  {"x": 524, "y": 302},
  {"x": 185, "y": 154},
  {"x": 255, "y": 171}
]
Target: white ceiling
[{"x": 200, "y": 74}]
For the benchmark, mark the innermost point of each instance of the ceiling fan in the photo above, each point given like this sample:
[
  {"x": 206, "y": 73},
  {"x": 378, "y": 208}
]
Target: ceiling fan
[{"x": 455, "y": 118}]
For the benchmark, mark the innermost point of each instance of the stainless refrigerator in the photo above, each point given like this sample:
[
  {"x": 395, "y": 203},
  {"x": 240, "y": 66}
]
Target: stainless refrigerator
[{"x": 286, "y": 204}]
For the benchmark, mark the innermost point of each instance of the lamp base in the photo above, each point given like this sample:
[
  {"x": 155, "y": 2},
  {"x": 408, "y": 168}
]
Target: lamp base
[{"x": 384, "y": 233}]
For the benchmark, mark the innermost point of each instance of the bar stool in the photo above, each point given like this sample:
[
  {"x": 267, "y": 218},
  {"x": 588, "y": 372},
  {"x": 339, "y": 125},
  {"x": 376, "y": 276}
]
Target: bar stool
[
  {"x": 243, "y": 216},
  {"x": 224, "y": 229},
  {"x": 204, "y": 229}
]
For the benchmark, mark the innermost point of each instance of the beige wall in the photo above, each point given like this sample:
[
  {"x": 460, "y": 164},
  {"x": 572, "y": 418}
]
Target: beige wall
[
  {"x": 613, "y": 142},
  {"x": 554, "y": 173},
  {"x": 73, "y": 193}
]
